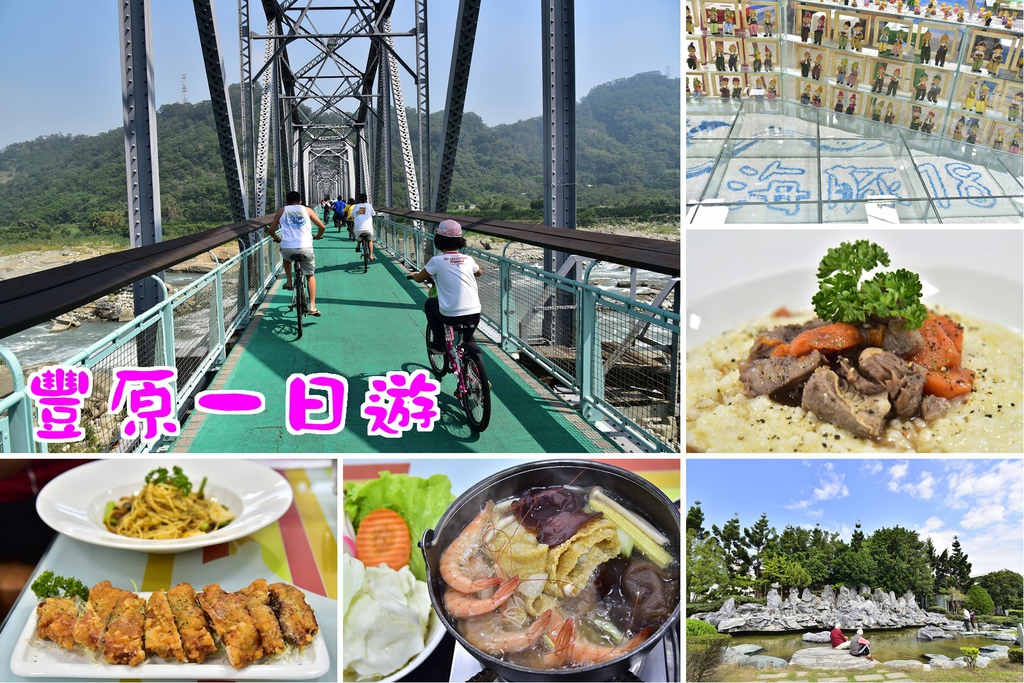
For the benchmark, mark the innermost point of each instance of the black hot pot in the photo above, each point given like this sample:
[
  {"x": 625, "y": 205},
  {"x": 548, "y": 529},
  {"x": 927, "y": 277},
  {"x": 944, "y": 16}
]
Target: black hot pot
[{"x": 636, "y": 492}]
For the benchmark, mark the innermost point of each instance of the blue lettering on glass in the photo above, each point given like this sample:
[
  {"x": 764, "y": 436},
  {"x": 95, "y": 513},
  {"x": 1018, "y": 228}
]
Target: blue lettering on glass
[{"x": 845, "y": 183}]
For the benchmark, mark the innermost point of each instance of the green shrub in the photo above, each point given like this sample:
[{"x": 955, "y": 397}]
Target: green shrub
[
  {"x": 970, "y": 656},
  {"x": 696, "y": 627},
  {"x": 1016, "y": 655},
  {"x": 939, "y": 610},
  {"x": 979, "y": 600},
  {"x": 1019, "y": 614},
  {"x": 715, "y": 605},
  {"x": 704, "y": 654}
]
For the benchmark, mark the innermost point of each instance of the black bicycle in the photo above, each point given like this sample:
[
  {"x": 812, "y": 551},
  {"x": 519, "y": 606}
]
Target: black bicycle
[
  {"x": 300, "y": 297},
  {"x": 474, "y": 390},
  {"x": 364, "y": 249}
]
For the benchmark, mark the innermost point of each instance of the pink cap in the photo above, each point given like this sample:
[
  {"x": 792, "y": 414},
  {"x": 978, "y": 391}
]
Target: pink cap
[{"x": 449, "y": 228}]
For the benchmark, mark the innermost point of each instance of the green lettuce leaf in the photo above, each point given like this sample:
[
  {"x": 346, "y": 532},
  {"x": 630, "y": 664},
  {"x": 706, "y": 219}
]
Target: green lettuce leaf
[{"x": 420, "y": 502}]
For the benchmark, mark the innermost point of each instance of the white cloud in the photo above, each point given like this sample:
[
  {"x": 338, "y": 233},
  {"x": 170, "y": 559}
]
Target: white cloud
[
  {"x": 983, "y": 516},
  {"x": 897, "y": 472},
  {"x": 832, "y": 485},
  {"x": 873, "y": 466},
  {"x": 931, "y": 524},
  {"x": 798, "y": 505},
  {"x": 996, "y": 482},
  {"x": 923, "y": 489},
  {"x": 1000, "y": 546}
]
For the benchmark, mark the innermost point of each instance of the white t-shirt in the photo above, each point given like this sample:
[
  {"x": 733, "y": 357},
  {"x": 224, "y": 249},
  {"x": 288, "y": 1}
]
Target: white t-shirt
[
  {"x": 363, "y": 215},
  {"x": 457, "y": 293},
  {"x": 296, "y": 228}
]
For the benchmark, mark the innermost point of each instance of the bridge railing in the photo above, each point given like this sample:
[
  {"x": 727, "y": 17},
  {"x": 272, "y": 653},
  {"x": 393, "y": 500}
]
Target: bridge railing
[
  {"x": 615, "y": 357},
  {"x": 189, "y": 330}
]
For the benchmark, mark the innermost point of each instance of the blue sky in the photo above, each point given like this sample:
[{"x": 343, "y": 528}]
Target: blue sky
[
  {"x": 63, "y": 57},
  {"x": 980, "y": 501}
]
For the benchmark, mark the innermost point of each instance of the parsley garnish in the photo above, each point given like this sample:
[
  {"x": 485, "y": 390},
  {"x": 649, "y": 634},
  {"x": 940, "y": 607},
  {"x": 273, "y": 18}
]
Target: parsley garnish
[
  {"x": 178, "y": 480},
  {"x": 47, "y": 585},
  {"x": 842, "y": 297}
]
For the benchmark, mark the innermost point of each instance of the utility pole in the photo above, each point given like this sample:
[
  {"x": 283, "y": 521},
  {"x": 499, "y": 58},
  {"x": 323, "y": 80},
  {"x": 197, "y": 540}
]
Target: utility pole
[{"x": 184, "y": 88}]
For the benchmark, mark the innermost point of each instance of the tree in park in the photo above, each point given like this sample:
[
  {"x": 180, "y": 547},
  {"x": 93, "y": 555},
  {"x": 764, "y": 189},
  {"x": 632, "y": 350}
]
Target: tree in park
[
  {"x": 731, "y": 539},
  {"x": 787, "y": 573},
  {"x": 1005, "y": 587},
  {"x": 959, "y": 567},
  {"x": 979, "y": 600},
  {"x": 705, "y": 566},
  {"x": 695, "y": 521},
  {"x": 853, "y": 568},
  {"x": 756, "y": 540},
  {"x": 901, "y": 562}
]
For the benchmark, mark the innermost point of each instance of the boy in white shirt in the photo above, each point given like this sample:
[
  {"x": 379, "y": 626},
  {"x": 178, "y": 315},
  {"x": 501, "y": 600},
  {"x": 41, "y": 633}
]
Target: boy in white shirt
[
  {"x": 362, "y": 217},
  {"x": 295, "y": 222},
  {"x": 458, "y": 299}
]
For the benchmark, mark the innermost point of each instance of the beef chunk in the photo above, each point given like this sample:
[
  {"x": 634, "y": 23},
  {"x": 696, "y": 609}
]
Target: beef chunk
[
  {"x": 933, "y": 408},
  {"x": 903, "y": 381},
  {"x": 777, "y": 375},
  {"x": 864, "y": 415},
  {"x": 902, "y": 342},
  {"x": 767, "y": 341},
  {"x": 864, "y": 385}
]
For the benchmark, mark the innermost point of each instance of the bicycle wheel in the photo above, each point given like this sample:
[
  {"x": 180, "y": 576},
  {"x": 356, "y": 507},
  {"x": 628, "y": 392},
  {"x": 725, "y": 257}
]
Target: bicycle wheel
[
  {"x": 365, "y": 248},
  {"x": 476, "y": 400},
  {"x": 438, "y": 362},
  {"x": 300, "y": 300}
]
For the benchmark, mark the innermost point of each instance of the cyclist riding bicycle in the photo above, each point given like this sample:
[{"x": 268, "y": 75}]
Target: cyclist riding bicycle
[
  {"x": 326, "y": 206},
  {"x": 348, "y": 218},
  {"x": 339, "y": 212},
  {"x": 458, "y": 299},
  {"x": 296, "y": 237},
  {"x": 362, "y": 216}
]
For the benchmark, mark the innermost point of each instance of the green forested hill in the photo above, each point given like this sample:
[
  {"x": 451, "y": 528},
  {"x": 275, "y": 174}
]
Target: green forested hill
[{"x": 628, "y": 147}]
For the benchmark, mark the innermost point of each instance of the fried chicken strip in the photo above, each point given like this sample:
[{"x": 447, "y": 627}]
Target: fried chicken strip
[
  {"x": 122, "y": 641},
  {"x": 257, "y": 601},
  {"x": 89, "y": 628},
  {"x": 57, "y": 617},
  {"x": 233, "y": 623},
  {"x": 196, "y": 640},
  {"x": 162, "y": 637},
  {"x": 298, "y": 623}
]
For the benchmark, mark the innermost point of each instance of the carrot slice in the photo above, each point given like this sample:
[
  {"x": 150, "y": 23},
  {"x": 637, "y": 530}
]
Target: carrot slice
[
  {"x": 834, "y": 337},
  {"x": 383, "y": 536},
  {"x": 949, "y": 384},
  {"x": 953, "y": 330},
  {"x": 939, "y": 350}
]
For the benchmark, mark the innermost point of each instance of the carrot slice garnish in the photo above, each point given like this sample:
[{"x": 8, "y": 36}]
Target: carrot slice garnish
[{"x": 383, "y": 536}]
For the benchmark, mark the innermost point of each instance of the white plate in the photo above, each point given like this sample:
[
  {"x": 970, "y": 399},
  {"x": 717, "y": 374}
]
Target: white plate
[
  {"x": 74, "y": 502},
  {"x": 37, "y": 658},
  {"x": 435, "y": 632},
  {"x": 978, "y": 294}
]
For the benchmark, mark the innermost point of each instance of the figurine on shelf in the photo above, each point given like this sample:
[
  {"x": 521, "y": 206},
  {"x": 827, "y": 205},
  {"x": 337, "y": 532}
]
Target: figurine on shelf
[
  {"x": 899, "y": 6},
  {"x": 752, "y": 22},
  {"x": 851, "y": 105},
  {"x": 851, "y": 79},
  {"x": 841, "y": 72},
  {"x": 1007, "y": 20},
  {"x": 982, "y": 104},
  {"x": 890, "y": 115},
  {"x": 759, "y": 83},
  {"x": 897, "y": 46},
  {"x": 960, "y": 14},
  {"x": 940, "y": 54},
  {"x": 915, "y": 119},
  {"x": 723, "y": 87},
  {"x": 730, "y": 21},
  {"x": 816, "y": 100},
  {"x": 773, "y": 90},
  {"x": 769, "y": 23},
  {"x": 858, "y": 36},
  {"x": 733, "y": 58},
  {"x": 819, "y": 30},
  {"x": 972, "y": 94},
  {"x": 689, "y": 21},
  {"x": 712, "y": 21},
  {"x": 933, "y": 92},
  {"x": 883, "y": 42},
  {"x": 979, "y": 57},
  {"x": 944, "y": 11},
  {"x": 691, "y": 57},
  {"x": 876, "y": 113},
  {"x": 921, "y": 88},
  {"x": 958, "y": 129},
  {"x": 996, "y": 61},
  {"x": 1013, "y": 111},
  {"x": 844, "y": 35},
  {"x": 879, "y": 80},
  {"x": 805, "y": 65},
  {"x": 931, "y": 8},
  {"x": 839, "y": 102},
  {"x": 929, "y": 123},
  {"x": 816, "y": 68},
  {"x": 997, "y": 144},
  {"x": 1015, "y": 143},
  {"x": 926, "y": 46},
  {"x": 767, "y": 58},
  {"x": 805, "y": 29},
  {"x": 805, "y": 96},
  {"x": 719, "y": 58},
  {"x": 972, "y": 134},
  {"x": 737, "y": 90},
  {"x": 894, "y": 83},
  {"x": 757, "y": 58},
  {"x": 698, "y": 87},
  {"x": 988, "y": 18}
]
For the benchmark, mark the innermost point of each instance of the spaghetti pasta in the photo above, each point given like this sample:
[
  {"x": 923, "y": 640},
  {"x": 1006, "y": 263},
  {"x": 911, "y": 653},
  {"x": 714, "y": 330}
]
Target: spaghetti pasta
[{"x": 164, "y": 511}]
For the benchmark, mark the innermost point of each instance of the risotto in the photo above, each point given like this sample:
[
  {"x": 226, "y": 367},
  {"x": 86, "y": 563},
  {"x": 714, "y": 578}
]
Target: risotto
[{"x": 720, "y": 418}]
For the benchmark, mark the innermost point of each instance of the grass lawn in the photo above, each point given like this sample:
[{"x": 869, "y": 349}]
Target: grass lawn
[{"x": 999, "y": 670}]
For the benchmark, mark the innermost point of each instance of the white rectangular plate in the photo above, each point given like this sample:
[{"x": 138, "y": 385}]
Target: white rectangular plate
[{"x": 37, "y": 658}]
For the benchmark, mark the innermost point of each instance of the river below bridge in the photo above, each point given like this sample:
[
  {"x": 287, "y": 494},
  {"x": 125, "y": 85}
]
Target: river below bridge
[{"x": 886, "y": 645}]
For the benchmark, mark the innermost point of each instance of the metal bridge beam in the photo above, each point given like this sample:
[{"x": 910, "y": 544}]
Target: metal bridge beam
[
  {"x": 455, "y": 103},
  {"x": 140, "y": 140}
]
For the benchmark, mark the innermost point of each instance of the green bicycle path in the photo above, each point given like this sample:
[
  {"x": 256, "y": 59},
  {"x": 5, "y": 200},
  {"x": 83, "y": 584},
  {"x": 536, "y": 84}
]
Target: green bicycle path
[{"x": 372, "y": 323}]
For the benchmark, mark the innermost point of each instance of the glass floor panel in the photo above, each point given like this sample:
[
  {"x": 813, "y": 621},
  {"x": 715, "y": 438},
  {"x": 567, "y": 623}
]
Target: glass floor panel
[{"x": 776, "y": 161}]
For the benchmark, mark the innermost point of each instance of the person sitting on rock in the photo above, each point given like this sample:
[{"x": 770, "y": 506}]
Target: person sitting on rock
[
  {"x": 839, "y": 641},
  {"x": 861, "y": 646}
]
